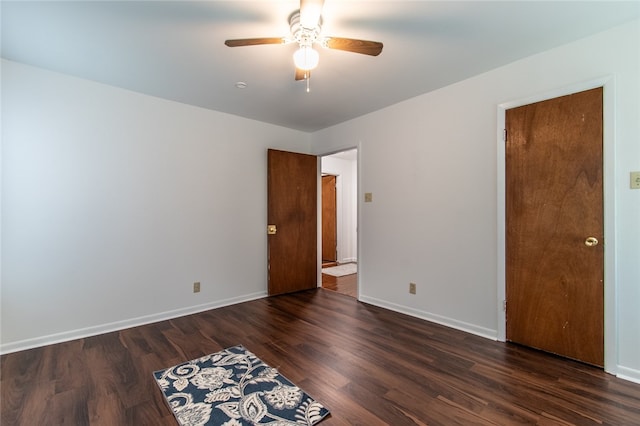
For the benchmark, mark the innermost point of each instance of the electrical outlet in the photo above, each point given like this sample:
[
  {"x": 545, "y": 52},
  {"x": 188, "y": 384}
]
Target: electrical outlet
[
  {"x": 196, "y": 287},
  {"x": 412, "y": 288}
]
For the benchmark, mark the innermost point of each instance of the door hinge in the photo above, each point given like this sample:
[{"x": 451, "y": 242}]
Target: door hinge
[
  {"x": 504, "y": 135},
  {"x": 504, "y": 305}
]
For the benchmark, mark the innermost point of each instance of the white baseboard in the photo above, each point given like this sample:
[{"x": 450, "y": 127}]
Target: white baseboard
[
  {"x": 629, "y": 374},
  {"x": 438, "y": 319},
  {"x": 121, "y": 325}
]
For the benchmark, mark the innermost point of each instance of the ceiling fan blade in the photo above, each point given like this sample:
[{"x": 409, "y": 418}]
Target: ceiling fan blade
[
  {"x": 302, "y": 74},
  {"x": 310, "y": 12},
  {"x": 254, "y": 41},
  {"x": 365, "y": 47}
]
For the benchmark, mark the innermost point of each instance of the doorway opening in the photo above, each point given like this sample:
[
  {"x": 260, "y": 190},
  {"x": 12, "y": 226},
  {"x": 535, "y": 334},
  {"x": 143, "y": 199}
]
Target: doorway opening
[{"x": 339, "y": 222}]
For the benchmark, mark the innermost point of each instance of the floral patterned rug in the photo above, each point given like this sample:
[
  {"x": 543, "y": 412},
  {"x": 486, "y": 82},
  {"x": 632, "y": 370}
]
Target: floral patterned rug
[{"x": 234, "y": 387}]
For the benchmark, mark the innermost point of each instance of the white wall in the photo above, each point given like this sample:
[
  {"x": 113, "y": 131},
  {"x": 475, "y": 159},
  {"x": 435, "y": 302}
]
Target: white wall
[
  {"x": 347, "y": 208},
  {"x": 431, "y": 164},
  {"x": 114, "y": 203}
]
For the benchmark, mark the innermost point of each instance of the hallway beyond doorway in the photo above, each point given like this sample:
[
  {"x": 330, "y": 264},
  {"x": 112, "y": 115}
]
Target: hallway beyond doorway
[{"x": 343, "y": 168}]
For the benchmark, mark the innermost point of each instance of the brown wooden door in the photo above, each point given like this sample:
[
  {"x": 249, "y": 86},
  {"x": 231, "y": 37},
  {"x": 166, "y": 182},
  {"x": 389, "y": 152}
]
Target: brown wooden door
[
  {"x": 292, "y": 208},
  {"x": 329, "y": 220},
  {"x": 554, "y": 203}
]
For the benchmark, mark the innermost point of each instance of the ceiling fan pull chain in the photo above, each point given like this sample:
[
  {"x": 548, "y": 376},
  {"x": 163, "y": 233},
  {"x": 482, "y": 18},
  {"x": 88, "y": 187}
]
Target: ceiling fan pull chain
[{"x": 308, "y": 78}]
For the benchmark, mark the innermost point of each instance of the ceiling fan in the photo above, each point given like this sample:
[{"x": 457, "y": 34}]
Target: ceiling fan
[{"x": 306, "y": 27}]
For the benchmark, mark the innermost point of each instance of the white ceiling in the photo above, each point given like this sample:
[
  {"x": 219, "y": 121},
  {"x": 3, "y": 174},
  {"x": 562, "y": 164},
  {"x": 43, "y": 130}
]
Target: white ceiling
[{"x": 175, "y": 50}]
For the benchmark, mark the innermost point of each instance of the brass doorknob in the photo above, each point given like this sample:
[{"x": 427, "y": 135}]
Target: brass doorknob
[{"x": 591, "y": 242}]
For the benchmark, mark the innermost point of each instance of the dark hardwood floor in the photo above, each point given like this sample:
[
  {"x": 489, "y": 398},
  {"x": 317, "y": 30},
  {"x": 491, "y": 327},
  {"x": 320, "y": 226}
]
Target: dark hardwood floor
[{"x": 368, "y": 365}]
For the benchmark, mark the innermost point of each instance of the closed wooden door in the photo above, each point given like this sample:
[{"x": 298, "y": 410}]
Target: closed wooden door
[
  {"x": 554, "y": 226},
  {"x": 292, "y": 210},
  {"x": 329, "y": 220}
]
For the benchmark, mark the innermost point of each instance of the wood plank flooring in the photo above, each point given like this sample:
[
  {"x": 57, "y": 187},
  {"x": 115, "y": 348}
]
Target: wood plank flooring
[
  {"x": 369, "y": 366},
  {"x": 347, "y": 284}
]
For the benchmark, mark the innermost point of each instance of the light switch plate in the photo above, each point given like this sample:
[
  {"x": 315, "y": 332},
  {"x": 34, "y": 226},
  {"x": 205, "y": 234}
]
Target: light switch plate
[
  {"x": 368, "y": 197},
  {"x": 635, "y": 180}
]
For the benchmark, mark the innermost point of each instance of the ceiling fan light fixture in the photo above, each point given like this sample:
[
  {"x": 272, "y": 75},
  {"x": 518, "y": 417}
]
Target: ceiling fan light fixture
[
  {"x": 305, "y": 28},
  {"x": 306, "y": 58}
]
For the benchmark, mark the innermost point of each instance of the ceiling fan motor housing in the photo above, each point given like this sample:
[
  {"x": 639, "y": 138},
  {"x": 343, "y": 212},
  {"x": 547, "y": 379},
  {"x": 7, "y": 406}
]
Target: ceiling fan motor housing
[{"x": 301, "y": 35}]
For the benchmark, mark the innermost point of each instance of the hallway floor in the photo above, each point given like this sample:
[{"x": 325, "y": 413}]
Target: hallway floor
[{"x": 347, "y": 284}]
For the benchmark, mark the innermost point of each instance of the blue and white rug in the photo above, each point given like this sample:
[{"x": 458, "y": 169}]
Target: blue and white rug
[{"x": 234, "y": 387}]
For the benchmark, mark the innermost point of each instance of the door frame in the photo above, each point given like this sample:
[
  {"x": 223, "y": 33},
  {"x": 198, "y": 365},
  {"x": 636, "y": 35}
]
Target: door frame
[
  {"x": 339, "y": 225},
  {"x": 608, "y": 172}
]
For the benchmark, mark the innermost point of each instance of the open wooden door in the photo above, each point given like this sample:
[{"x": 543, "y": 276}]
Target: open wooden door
[
  {"x": 292, "y": 218},
  {"x": 329, "y": 221},
  {"x": 554, "y": 226}
]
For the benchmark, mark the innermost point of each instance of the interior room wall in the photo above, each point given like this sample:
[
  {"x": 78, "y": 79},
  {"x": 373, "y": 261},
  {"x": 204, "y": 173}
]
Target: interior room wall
[
  {"x": 347, "y": 214},
  {"x": 114, "y": 203},
  {"x": 431, "y": 164}
]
